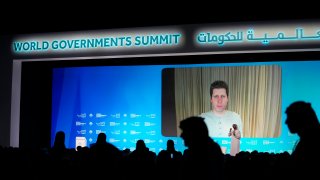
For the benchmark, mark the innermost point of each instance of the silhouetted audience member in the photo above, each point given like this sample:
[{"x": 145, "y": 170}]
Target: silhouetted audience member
[
  {"x": 174, "y": 154},
  {"x": 302, "y": 120},
  {"x": 126, "y": 152},
  {"x": 142, "y": 152},
  {"x": 203, "y": 158},
  {"x": 60, "y": 158},
  {"x": 79, "y": 148},
  {"x": 103, "y": 150},
  {"x": 168, "y": 162},
  {"x": 102, "y": 145},
  {"x": 106, "y": 158},
  {"x": 140, "y": 162},
  {"x": 59, "y": 150}
]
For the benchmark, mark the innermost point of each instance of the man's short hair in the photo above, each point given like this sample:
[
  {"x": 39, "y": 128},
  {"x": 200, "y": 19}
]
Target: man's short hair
[
  {"x": 195, "y": 126},
  {"x": 218, "y": 85}
]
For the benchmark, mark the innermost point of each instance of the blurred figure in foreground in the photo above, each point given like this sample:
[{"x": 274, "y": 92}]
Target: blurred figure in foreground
[
  {"x": 302, "y": 120},
  {"x": 203, "y": 158}
]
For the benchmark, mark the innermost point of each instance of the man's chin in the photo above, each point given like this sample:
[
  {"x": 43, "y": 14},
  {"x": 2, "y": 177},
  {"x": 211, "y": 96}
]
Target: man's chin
[{"x": 219, "y": 110}]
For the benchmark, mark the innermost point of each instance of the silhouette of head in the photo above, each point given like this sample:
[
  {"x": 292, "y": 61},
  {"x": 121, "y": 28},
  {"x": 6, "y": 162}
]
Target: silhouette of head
[
  {"x": 79, "y": 148},
  {"x": 140, "y": 145},
  {"x": 102, "y": 138},
  {"x": 300, "y": 117},
  {"x": 194, "y": 130},
  {"x": 59, "y": 139},
  {"x": 170, "y": 144}
]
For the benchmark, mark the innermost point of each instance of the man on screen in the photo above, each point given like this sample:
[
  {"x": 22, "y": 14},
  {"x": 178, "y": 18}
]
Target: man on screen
[{"x": 219, "y": 120}]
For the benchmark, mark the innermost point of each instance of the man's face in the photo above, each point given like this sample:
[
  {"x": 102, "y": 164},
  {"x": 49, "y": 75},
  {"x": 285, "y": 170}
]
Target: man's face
[{"x": 219, "y": 100}]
